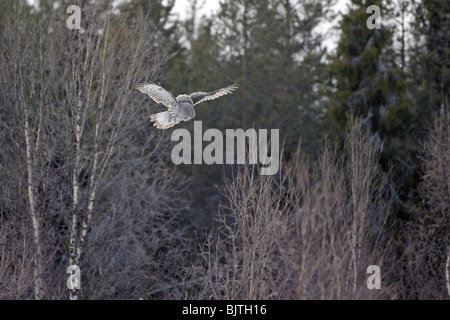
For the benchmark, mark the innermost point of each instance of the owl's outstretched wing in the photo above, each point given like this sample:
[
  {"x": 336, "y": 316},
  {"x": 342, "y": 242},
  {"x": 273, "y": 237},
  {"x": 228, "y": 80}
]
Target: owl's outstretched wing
[
  {"x": 158, "y": 94},
  {"x": 198, "y": 97}
]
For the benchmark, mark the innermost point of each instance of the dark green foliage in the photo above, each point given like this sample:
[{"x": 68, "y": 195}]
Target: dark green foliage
[
  {"x": 269, "y": 49},
  {"x": 367, "y": 82}
]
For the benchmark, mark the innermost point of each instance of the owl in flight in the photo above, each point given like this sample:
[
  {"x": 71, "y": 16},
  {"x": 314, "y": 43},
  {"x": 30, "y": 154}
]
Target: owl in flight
[{"x": 181, "y": 108}]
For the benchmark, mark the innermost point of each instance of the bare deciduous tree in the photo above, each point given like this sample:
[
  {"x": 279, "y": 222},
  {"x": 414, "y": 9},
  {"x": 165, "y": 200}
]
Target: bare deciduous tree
[
  {"x": 309, "y": 235},
  {"x": 79, "y": 156},
  {"x": 427, "y": 254}
]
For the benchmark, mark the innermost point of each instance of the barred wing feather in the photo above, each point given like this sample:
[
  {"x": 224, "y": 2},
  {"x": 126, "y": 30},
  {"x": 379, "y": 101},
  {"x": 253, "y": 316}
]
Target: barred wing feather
[
  {"x": 198, "y": 97},
  {"x": 158, "y": 94}
]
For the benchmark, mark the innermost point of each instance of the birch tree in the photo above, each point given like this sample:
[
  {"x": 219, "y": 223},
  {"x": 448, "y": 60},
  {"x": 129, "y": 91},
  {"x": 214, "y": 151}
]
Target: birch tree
[{"x": 80, "y": 156}]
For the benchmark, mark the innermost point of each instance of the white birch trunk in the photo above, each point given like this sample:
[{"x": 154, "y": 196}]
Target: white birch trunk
[{"x": 38, "y": 282}]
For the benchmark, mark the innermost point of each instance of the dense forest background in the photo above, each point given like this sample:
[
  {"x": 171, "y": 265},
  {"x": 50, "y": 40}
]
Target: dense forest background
[{"x": 85, "y": 179}]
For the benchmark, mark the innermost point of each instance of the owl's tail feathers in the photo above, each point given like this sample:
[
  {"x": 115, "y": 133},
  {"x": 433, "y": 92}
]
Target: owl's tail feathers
[{"x": 163, "y": 120}]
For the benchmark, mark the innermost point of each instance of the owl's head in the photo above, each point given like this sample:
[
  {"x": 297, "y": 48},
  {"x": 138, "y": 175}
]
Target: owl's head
[{"x": 184, "y": 98}]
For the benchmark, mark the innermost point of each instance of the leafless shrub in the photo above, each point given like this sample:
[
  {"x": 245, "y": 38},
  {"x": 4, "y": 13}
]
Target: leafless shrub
[
  {"x": 340, "y": 221},
  {"x": 135, "y": 233},
  {"x": 239, "y": 263},
  {"x": 16, "y": 260},
  {"x": 309, "y": 235},
  {"x": 427, "y": 256}
]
